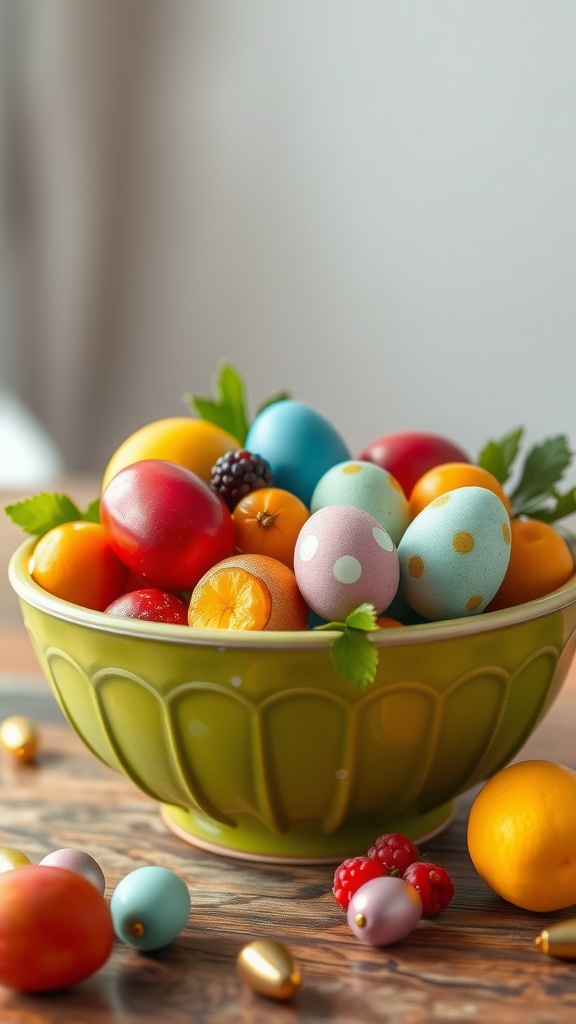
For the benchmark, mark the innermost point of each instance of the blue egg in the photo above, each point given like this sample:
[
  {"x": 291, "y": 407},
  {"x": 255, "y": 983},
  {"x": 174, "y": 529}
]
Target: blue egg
[
  {"x": 454, "y": 555},
  {"x": 150, "y": 906},
  {"x": 299, "y": 444}
]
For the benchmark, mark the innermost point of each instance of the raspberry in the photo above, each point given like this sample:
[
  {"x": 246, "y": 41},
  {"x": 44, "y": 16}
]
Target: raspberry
[
  {"x": 395, "y": 851},
  {"x": 351, "y": 874},
  {"x": 237, "y": 473},
  {"x": 434, "y": 885}
]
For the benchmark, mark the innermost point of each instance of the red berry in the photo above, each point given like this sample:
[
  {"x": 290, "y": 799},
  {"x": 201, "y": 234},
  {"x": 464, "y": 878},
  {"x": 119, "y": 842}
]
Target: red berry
[
  {"x": 434, "y": 885},
  {"x": 152, "y": 604},
  {"x": 395, "y": 851},
  {"x": 351, "y": 874}
]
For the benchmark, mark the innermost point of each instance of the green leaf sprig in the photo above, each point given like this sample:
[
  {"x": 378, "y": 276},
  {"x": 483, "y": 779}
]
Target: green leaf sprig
[
  {"x": 352, "y": 653},
  {"x": 39, "y": 513},
  {"x": 536, "y": 493},
  {"x": 228, "y": 407}
]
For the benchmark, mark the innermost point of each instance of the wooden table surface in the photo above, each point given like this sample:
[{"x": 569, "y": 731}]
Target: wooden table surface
[{"x": 475, "y": 962}]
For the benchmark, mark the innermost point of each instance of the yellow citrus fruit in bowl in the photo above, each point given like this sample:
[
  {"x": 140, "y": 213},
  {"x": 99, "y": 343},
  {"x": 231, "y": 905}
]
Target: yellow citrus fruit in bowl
[
  {"x": 193, "y": 443},
  {"x": 522, "y": 835},
  {"x": 248, "y": 592}
]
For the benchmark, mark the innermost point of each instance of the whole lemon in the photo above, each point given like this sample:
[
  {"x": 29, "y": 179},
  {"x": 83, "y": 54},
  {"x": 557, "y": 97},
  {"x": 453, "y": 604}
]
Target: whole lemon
[
  {"x": 193, "y": 443},
  {"x": 522, "y": 835}
]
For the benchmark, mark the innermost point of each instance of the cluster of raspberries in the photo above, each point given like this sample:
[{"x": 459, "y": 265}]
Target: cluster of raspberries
[{"x": 395, "y": 854}]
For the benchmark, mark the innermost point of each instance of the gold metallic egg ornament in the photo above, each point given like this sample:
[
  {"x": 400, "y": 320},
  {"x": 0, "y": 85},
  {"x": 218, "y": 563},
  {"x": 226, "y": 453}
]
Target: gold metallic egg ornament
[
  {"x": 267, "y": 968},
  {"x": 19, "y": 736},
  {"x": 10, "y": 858}
]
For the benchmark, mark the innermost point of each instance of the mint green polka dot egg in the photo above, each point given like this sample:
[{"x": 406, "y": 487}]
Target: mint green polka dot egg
[
  {"x": 454, "y": 555},
  {"x": 366, "y": 486}
]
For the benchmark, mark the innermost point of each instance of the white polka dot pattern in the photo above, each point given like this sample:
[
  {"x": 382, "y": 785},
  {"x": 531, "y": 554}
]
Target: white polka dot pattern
[{"x": 343, "y": 558}]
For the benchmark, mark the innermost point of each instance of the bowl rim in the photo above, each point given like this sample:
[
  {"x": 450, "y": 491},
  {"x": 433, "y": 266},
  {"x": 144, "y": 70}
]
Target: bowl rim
[{"x": 34, "y": 595}]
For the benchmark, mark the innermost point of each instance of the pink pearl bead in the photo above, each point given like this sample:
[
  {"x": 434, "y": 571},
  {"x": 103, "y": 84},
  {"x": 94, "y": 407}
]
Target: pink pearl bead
[
  {"x": 80, "y": 863},
  {"x": 384, "y": 910}
]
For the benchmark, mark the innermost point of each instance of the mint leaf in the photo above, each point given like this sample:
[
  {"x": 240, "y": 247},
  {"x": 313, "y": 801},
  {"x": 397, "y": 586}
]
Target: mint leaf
[
  {"x": 553, "y": 505},
  {"x": 543, "y": 467},
  {"x": 363, "y": 617},
  {"x": 227, "y": 409},
  {"x": 39, "y": 513},
  {"x": 353, "y": 654},
  {"x": 498, "y": 457},
  {"x": 355, "y": 657},
  {"x": 536, "y": 493},
  {"x": 92, "y": 513}
]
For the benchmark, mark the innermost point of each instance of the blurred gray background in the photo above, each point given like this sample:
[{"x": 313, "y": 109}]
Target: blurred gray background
[{"x": 370, "y": 203}]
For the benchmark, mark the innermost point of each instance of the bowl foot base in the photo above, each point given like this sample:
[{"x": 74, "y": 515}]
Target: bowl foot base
[{"x": 254, "y": 842}]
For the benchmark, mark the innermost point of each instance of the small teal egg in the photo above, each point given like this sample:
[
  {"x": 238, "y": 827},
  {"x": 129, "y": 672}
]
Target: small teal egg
[
  {"x": 454, "y": 555},
  {"x": 150, "y": 906},
  {"x": 369, "y": 487},
  {"x": 298, "y": 443}
]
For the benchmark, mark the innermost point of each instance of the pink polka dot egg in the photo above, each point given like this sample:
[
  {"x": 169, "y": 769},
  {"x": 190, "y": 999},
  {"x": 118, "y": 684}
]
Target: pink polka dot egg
[{"x": 344, "y": 558}]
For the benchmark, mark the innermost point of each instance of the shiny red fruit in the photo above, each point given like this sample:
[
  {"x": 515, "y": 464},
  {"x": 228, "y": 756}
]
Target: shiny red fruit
[
  {"x": 407, "y": 455},
  {"x": 55, "y": 928},
  {"x": 151, "y": 604},
  {"x": 166, "y": 523}
]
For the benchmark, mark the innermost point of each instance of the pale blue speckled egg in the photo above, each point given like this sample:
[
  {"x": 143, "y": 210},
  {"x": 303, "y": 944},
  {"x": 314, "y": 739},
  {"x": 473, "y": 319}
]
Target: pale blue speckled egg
[
  {"x": 454, "y": 555},
  {"x": 369, "y": 487}
]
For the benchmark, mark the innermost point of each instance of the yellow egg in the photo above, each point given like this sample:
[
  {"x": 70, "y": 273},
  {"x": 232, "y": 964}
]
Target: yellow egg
[
  {"x": 267, "y": 968},
  {"x": 18, "y": 735}
]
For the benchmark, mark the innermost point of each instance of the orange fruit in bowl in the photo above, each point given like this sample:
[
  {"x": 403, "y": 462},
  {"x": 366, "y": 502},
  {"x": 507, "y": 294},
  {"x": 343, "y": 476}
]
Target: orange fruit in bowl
[
  {"x": 248, "y": 592},
  {"x": 193, "y": 443},
  {"x": 268, "y": 521},
  {"x": 448, "y": 477},
  {"x": 75, "y": 562},
  {"x": 522, "y": 835},
  {"x": 540, "y": 562}
]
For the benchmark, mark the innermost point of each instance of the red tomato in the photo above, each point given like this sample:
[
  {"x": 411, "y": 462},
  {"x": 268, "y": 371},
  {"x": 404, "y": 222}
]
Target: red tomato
[
  {"x": 55, "y": 928},
  {"x": 408, "y": 455},
  {"x": 152, "y": 604},
  {"x": 166, "y": 523}
]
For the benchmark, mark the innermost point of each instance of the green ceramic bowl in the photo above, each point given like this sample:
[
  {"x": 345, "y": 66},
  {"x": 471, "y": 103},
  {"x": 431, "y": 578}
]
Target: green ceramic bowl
[{"x": 256, "y": 747}]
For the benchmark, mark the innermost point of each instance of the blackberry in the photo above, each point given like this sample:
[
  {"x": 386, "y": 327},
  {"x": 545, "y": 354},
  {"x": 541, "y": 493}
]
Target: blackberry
[{"x": 236, "y": 474}]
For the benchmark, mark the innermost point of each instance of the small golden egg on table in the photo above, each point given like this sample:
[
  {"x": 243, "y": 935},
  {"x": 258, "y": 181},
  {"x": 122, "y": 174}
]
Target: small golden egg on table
[
  {"x": 19, "y": 736},
  {"x": 10, "y": 858},
  {"x": 268, "y": 968}
]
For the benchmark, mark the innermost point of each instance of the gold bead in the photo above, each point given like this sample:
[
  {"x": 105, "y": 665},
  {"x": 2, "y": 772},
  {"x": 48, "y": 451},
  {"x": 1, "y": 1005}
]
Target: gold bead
[
  {"x": 18, "y": 735},
  {"x": 10, "y": 858},
  {"x": 268, "y": 968}
]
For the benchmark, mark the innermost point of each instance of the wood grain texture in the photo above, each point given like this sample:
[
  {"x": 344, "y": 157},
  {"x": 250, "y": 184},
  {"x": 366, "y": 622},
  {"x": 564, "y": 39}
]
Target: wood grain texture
[{"x": 477, "y": 961}]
